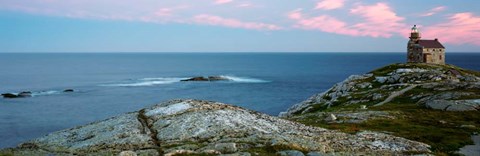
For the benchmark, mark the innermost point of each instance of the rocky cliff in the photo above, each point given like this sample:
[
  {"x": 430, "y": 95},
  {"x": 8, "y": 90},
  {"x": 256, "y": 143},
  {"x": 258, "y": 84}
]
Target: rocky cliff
[
  {"x": 435, "y": 104},
  {"x": 442, "y": 87},
  {"x": 201, "y": 127}
]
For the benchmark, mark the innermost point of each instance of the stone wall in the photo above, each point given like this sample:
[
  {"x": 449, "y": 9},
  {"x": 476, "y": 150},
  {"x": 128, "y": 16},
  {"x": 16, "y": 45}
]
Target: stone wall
[
  {"x": 437, "y": 55},
  {"x": 417, "y": 54}
]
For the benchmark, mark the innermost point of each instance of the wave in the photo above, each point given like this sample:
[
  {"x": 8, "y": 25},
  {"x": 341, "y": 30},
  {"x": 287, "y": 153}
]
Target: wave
[
  {"x": 41, "y": 93},
  {"x": 244, "y": 79},
  {"x": 146, "y": 82},
  {"x": 143, "y": 82}
]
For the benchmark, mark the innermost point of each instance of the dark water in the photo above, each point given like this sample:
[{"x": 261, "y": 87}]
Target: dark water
[{"x": 110, "y": 84}]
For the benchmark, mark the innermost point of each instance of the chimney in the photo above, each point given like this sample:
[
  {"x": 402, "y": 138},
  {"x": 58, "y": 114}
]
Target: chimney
[{"x": 436, "y": 39}]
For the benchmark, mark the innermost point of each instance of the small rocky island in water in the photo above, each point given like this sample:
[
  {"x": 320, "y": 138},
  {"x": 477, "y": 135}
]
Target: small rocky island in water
[{"x": 400, "y": 109}]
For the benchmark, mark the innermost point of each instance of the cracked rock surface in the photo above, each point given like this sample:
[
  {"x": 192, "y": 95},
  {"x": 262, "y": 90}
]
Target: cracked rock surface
[{"x": 195, "y": 126}]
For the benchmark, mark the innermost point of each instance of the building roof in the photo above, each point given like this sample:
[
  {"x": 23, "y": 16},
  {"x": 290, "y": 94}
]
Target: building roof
[{"x": 430, "y": 44}]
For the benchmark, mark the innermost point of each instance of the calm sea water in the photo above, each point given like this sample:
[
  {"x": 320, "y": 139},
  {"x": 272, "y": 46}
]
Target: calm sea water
[{"x": 110, "y": 84}]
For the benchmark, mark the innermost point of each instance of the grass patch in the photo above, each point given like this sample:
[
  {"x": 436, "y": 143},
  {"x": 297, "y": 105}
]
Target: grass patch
[
  {"x": 425, "y": 125},
  {"x": 416, "y": 123},
  {"x": 6, "y": 153},
  {"x": 385, "y": 70},
  {"x": 389, "y": 68}
]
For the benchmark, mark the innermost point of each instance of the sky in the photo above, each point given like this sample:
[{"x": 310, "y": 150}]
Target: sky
[{"x": 235, "y": 25}]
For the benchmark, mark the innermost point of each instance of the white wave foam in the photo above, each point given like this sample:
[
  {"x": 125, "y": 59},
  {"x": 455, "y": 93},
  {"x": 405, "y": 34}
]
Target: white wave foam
[
  {"x": 163, "y": 79},
  {"x": 146, "y": 82},
  {"x": 244, "y": 79},
  {"x": 41, "y": 93},
  {"x": 169, "y": 80},
  {"x": 136, "y": 84}
]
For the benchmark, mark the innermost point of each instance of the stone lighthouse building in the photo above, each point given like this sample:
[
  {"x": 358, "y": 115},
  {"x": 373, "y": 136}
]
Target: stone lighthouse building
[{"x": 424, "y": 51}]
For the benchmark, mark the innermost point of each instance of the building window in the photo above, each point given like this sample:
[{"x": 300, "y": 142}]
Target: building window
[{"x": 440, "y": 57}]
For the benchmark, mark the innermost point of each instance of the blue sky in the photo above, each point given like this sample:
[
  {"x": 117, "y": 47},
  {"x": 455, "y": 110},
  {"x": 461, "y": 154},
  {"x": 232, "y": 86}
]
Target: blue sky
[{"x": 234, "y": 25}]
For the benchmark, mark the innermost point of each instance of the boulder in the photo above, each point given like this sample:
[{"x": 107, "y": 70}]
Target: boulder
[
  {"x": 217, "y": 78},
  {"x": 209, "y": 78},
  {"x": 127, "y": 153},
  {"x": 290, "y": 153},
  {"x": 377, "y": 96},
  {"x": 19, "y": 95},
  {"x": 468, "y": 126},
  {"x": 381, "y": 79},
  {"x": 9, "y": 95},
  {"x": 454, "y": 105},
  {"x": 226, "y": 147},
  {"x": 330, "y": 118},
  {"x": 199, "y": 78},
  {"x": 68, "y": 90}
]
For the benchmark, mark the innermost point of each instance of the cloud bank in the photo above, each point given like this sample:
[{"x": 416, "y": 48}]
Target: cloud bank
[{"x": 343, "y": 17}]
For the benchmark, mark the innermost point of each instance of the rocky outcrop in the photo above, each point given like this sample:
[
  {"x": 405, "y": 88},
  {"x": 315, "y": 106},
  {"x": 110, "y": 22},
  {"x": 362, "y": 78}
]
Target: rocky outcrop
[
  {"x": 454, "y": 105},
  {"x": 19, "y": 95},
  {"x": 193, "y": 126},
  {"x": 9, "y": 95},
  {"x": 68, "y": 90},
  {"x": 196, "y": 79},
  {"x": 328, "y": 97},
  {"x": 383, "y": 85},
  {"x": 209, "y": 78},
  {"x": 217, "y": 78},
  {"x": 25, "y": 94}
]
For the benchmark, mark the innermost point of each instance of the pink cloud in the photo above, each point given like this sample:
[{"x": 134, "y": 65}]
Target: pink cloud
[
  {"x": 330, "y": 4},
  {"x": 222, "y": 1},
  {"x": 323, "y": 23},
  {"x": 434, "y": 11},
  {"x": 377, "y": 20},
  {"x": 462, "y": 28},
  {"x": 296, "y": 14},
  {"x": 233, "y": 23},
  {"x": 165, "y": 12}
]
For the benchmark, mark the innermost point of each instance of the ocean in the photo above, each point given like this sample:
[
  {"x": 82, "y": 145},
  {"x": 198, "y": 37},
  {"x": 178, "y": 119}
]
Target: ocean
[{"x": 108, "y": 84}]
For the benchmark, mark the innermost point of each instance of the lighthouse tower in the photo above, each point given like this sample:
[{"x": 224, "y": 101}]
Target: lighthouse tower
[
  {"x": 412, "y": 46},
  {"x": 415, "y": 34}
]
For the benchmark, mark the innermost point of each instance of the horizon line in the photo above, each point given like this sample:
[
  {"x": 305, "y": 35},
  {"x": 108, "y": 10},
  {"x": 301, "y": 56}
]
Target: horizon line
[{"x": 92, "y": 52}]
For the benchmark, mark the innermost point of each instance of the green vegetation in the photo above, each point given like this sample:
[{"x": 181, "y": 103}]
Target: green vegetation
[
  {"x": 387, "y": 69},
  {"x": 6, "y": 153},
  {"x": 442, "y": 130}
]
